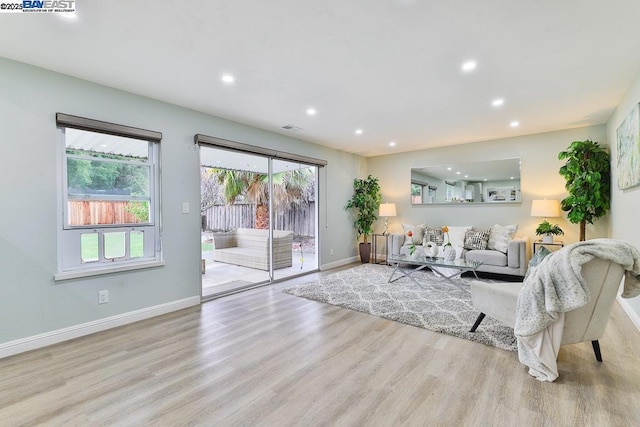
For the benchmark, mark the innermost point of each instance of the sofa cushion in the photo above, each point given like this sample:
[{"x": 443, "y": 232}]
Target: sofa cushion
[
  {"x": 413, "y": 234},
  {"x": 500, "y": 237},
  {"x": 476, "y": 239},
  {"x": 487, "y": 257}
]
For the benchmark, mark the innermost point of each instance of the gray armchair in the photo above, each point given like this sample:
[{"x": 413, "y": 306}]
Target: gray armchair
[
  {"x": 587, "y": 323},
  {"x": 566, "y": 298}
]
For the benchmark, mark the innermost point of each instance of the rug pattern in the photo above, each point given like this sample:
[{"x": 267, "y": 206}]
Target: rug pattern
[{"x": 436, "y": 304}]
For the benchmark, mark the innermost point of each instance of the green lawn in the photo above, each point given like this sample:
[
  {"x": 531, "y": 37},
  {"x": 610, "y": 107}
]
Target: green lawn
[{"x": 114, "y": 245}]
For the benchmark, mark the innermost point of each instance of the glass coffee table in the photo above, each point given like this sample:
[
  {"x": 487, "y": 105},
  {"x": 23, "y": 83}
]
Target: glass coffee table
[{"x": 406, "y": 266}]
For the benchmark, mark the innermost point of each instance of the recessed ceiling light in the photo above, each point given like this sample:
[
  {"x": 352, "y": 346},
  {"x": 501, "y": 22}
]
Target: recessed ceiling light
[
  {"x": 392, "y": 143},
  {"x": 497, "y": 102},
  {"x": 485, "y": 179},
  {"x": 311, "y": 111},
  {"x": 466, "y": 176},
  {"x": 512, "y": 178},
  {"x": 228, "y": 79},
  {"x": 514, "y": 124},
  {"x": 469, "y": 66},
  {"x": 448, "y": 169},
  {"x": 358, "y": 131},
  {"x": 458, "y": 173}
]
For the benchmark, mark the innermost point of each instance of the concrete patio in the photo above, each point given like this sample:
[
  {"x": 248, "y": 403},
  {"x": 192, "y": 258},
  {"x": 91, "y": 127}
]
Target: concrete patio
[{"x": 222, "y": 277}]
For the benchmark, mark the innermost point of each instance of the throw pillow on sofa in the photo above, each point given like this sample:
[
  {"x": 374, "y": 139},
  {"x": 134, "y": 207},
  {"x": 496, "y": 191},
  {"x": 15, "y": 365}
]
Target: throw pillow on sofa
[
  {"x": 434, "y": 235},
  {"x": 501, "y": 236},
  {"x": 536, "y": 259},
  {"x": 457, "y": 234},
  {"x": 476, "y": 240},
  {"x": 413, "y": 234}
]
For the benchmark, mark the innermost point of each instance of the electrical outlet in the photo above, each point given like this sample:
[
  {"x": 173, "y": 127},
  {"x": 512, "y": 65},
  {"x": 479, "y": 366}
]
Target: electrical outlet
[
  {"x": 331, "y": 251},
  {"x": 103, "y": 297}
]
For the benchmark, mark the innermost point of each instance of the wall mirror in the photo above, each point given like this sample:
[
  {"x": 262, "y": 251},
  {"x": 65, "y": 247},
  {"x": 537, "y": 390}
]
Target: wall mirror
[{"x": 493, "y": 181}]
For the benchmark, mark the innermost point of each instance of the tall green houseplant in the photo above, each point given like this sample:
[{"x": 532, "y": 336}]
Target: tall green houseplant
[
  {"x": 364, "y": 204},
  {"x": 588, "y": 174}
]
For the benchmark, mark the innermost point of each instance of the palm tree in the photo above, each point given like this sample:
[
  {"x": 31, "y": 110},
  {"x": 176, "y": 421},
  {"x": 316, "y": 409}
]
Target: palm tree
[{"x": 290, "y": 188}]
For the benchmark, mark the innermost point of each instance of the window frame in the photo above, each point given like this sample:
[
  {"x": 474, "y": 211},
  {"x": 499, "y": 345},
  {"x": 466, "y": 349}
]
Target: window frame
[
  {"x": 450, "y": 191},
  {"x": 149, "y": 164},
  {"x": 70, "y": 262}
]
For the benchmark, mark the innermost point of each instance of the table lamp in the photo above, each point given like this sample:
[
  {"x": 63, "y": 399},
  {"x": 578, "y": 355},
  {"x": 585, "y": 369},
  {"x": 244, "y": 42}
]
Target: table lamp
[
  {"x": 546, "y": 209},
  {"x": 387, "y": 210}
]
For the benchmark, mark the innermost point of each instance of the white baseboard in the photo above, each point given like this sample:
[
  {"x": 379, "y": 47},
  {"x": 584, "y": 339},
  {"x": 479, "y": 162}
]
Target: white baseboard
[
  {"x": 339, "y": 263},
  {"x": 635, "y": 318},
  {"x": 54, "y": 337}
]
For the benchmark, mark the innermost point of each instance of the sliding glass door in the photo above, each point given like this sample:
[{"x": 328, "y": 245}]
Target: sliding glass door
[
  {"x": 259, "y": 219},
  {"x": 294, "y": 207},
  {"x": 234, "y": 239}
]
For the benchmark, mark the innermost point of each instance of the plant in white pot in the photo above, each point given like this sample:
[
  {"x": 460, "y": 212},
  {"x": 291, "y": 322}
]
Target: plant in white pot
[
  {"x": 448, "y": 251},
  {"x": 364, "y": 204},
  {"x": 548, "y": 230}
]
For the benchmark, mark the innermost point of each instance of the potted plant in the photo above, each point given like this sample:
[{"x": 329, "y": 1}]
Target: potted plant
[
  {"x": 548, "y": 230},
  {"x": 587, "y": 172},
  {"x": 364, "y": 204}
]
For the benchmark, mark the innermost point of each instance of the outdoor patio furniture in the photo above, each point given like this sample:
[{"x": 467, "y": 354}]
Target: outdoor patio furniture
[{"x": 249, "y": 247}]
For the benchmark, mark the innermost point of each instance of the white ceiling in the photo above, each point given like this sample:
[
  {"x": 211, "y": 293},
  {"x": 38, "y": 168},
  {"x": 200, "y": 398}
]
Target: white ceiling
[{"x": 389, "y": 67}]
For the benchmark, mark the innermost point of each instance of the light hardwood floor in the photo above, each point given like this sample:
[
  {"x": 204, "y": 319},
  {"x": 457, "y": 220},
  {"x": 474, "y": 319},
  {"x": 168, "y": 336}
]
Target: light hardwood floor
[{"x": 267, "y": 358}]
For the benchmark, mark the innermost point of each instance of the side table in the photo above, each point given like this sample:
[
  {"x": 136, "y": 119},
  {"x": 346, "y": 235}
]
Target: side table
[
  {"x": 557, "y": 244},
  {"x": 374, "y": 248}
]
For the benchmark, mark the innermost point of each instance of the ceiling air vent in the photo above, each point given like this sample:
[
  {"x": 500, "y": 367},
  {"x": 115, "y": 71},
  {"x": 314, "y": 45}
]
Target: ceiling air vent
[{"x": 292, "y": 127}]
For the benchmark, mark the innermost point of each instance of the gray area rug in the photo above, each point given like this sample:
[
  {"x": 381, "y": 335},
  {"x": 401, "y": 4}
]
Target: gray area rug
[{"x": 436, "y": 304}]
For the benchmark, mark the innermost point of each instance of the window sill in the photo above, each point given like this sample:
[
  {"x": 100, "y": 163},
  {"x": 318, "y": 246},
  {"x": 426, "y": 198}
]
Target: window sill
[{"x": 77, "y": 274}]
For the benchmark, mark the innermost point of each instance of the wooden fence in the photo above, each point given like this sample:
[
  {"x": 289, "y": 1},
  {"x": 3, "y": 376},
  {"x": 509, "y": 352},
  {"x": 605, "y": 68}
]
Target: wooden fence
[
  {"x": 94, "y": 212},
  {"x": 300, "y": 220}
]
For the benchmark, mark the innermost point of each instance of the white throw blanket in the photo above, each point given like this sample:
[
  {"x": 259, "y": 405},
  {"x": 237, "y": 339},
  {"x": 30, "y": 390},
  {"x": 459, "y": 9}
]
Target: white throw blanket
[{"x": 556, "y": 286}]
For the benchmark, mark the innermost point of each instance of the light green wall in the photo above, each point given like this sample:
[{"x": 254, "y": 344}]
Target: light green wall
[
  {"x": 31, "y": 302},
  {"x": 625, "y": 204},
  {"x": 539, "y": 179}
]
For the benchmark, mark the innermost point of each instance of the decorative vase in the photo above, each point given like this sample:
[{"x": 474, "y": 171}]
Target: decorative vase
[
  {"x": 449, "y": 253},
  {"x": 547, "y": 238},
  {"x": 430, "y": 249}
]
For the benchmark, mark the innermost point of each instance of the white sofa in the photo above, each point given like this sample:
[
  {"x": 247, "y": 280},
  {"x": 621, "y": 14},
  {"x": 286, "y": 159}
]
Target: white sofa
[
  {"x": 512, "y": 263},
  {"x": 249, "y": 247}
]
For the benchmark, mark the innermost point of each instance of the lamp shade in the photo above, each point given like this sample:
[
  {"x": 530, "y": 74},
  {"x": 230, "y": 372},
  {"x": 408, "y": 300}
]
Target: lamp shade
[
  {"x": 545, "y": 208},
  {"x": 387, "y": 209}
]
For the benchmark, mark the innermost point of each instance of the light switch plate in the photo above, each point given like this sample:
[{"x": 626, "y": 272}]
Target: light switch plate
[{"x": 185, "y": 207}]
